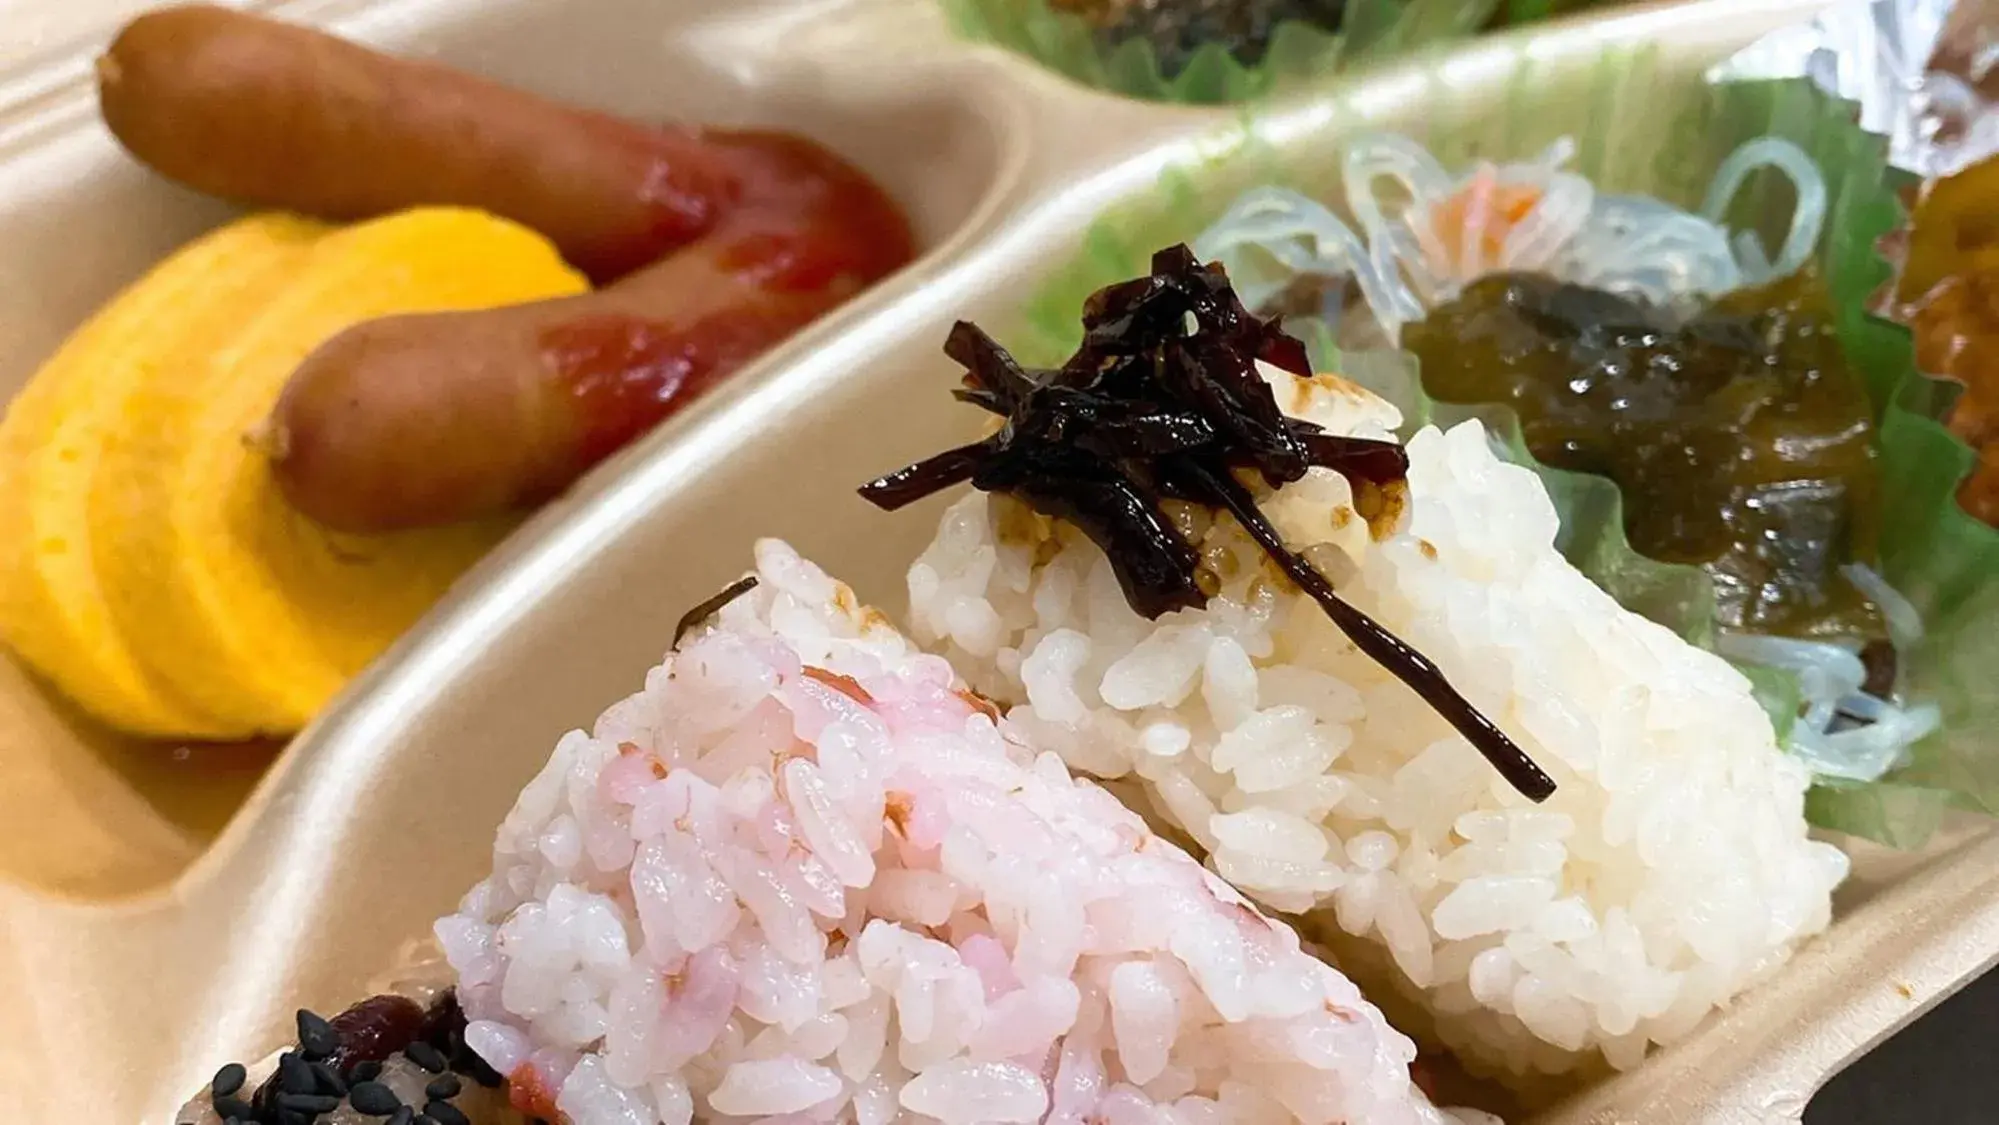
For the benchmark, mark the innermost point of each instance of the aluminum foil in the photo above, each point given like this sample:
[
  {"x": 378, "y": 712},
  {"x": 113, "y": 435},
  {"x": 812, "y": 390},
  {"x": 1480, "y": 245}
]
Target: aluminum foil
[{"x": 1925, "y": 72}]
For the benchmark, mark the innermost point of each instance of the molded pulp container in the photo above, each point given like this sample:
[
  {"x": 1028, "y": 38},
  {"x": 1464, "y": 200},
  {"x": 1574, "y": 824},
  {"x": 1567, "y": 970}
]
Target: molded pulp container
[{"x": 161, "y": 912}]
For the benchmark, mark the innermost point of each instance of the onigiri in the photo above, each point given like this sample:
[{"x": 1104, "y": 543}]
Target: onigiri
[
  {"x": 1670, "y": 870},
  {"x": 804, "y": 875}
]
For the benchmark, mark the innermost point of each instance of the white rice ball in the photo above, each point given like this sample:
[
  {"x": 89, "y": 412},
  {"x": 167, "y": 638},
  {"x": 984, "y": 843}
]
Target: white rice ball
[
  {"x": 803, "y": 877},
  {"x": 1670, "y": 871}
]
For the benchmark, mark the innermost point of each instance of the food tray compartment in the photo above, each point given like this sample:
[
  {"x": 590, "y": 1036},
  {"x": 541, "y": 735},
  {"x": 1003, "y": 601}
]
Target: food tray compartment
[
  {"x": 79, "y": 219},
  {"x": 379, "y": 816}
]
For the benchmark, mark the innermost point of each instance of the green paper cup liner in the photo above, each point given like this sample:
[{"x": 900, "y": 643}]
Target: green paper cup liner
[
  {"x": 1515, "y": 12},
  {"x": 1644, "y": 125},
  {"x": 1065, "y": 42}
]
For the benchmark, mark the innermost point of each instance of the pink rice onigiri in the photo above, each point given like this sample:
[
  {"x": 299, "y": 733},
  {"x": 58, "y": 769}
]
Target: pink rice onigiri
[{"x": 804, "y": 876}]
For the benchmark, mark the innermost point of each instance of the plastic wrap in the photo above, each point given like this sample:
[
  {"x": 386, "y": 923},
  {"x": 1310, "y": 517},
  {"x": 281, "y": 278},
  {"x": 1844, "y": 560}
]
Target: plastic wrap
[{"x": 1922, "y": 71}]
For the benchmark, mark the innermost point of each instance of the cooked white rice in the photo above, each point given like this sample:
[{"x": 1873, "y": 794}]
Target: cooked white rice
[
  {"x": 1670, "y": 871},
  {"x": 803, "y": 877}
]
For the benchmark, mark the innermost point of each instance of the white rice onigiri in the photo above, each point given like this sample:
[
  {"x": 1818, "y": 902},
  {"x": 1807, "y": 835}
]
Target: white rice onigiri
[
  {"x": 1670, "y": 871},
  {"x": 803, "y": 877}
]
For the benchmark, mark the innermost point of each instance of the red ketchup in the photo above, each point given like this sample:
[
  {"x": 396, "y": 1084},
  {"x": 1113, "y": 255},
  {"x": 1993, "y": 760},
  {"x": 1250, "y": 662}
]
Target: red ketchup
[{"x": 806, "y": 233}]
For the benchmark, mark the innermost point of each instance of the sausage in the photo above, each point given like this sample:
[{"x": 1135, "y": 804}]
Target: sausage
[
  {"x": 268, "y": 114},
  {"x": 422, "y": 420}
]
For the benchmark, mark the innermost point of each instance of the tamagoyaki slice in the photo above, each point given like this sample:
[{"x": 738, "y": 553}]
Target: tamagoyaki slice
[
  {"x": 57, "y": 440},
  {"x": 262, "y": 612}
]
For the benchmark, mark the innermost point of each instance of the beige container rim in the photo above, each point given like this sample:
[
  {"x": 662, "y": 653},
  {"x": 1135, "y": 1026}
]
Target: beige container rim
[{"x": 137, "y": 990}]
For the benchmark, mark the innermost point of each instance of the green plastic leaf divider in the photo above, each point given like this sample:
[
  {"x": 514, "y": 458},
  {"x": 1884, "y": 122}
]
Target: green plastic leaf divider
[
  {"x": 1533, "y": 11},
  {"x": 1064, "y": 42},
  {"x": 1647, "y": 124}
]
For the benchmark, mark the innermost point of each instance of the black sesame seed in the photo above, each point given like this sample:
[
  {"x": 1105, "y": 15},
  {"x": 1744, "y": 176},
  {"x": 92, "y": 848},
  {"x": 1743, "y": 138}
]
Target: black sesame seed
[
  {"x": 309, "y": 1103},
  {"x": 421, "y": 1119},
  {"x": 316, "y": 1037},
  {"x": 467, "y": 1062},
  {"x": 443, "y": 1088},
  {"x": 374, "y": 1099},
  {"x": 444, "y": 1022},
  {"x": 425, "y": 1056},
  {"x": 403, "y": 1116},
  {"x": 227, "y": 1106},
  {"x": 295, "y": 1075},
  {"x": 444, "y": 1113},
  {"x": 328, "y": 1080},
  {"x": 228, "y": 1080},
  {"x": 366, "y": 1071}
]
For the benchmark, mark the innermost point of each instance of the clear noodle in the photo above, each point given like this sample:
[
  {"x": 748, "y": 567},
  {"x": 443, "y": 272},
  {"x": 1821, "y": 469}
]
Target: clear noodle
[
  {"x": 1807, "y": 214},
  {"x": 1905, "y": 623},
  {"x": 1404, "y": 262},
  {"x": 1425, "y": 252},
  {"x": 1842, "y": 731},
  {"x": 1646, "y": 249},
  {"x": 1303, "y": 239}
]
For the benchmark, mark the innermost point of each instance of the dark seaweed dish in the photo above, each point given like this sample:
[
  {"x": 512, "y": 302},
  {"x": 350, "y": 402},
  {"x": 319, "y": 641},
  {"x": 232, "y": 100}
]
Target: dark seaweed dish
[
  {"x": 1176, "y": 29},
  {"x": 1741, "y": 440}
]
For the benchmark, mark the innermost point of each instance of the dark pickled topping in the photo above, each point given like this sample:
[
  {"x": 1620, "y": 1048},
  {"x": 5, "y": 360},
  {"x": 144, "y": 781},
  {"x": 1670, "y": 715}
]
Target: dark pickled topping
[
  {"x": 1308, "y": 295},
  {"x": 1740, "y": 439},
  {"x": 375, "y": 1028},
  {"x": 699, "y": 615},
  {"x": 1163, "y": 401},
  {"x": 1175, "y": 29}
]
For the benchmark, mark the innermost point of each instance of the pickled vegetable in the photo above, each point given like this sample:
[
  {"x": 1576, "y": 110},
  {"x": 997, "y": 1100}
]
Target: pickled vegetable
[
  {"x": 1177, "y": 28},
  {"x": 1740, "y": 439},
  {"x": 1949, "y": 296}
]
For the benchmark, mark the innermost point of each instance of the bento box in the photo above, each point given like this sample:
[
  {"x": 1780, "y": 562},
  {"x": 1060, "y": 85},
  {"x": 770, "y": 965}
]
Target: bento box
[{"x": 162, "y": 912}]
